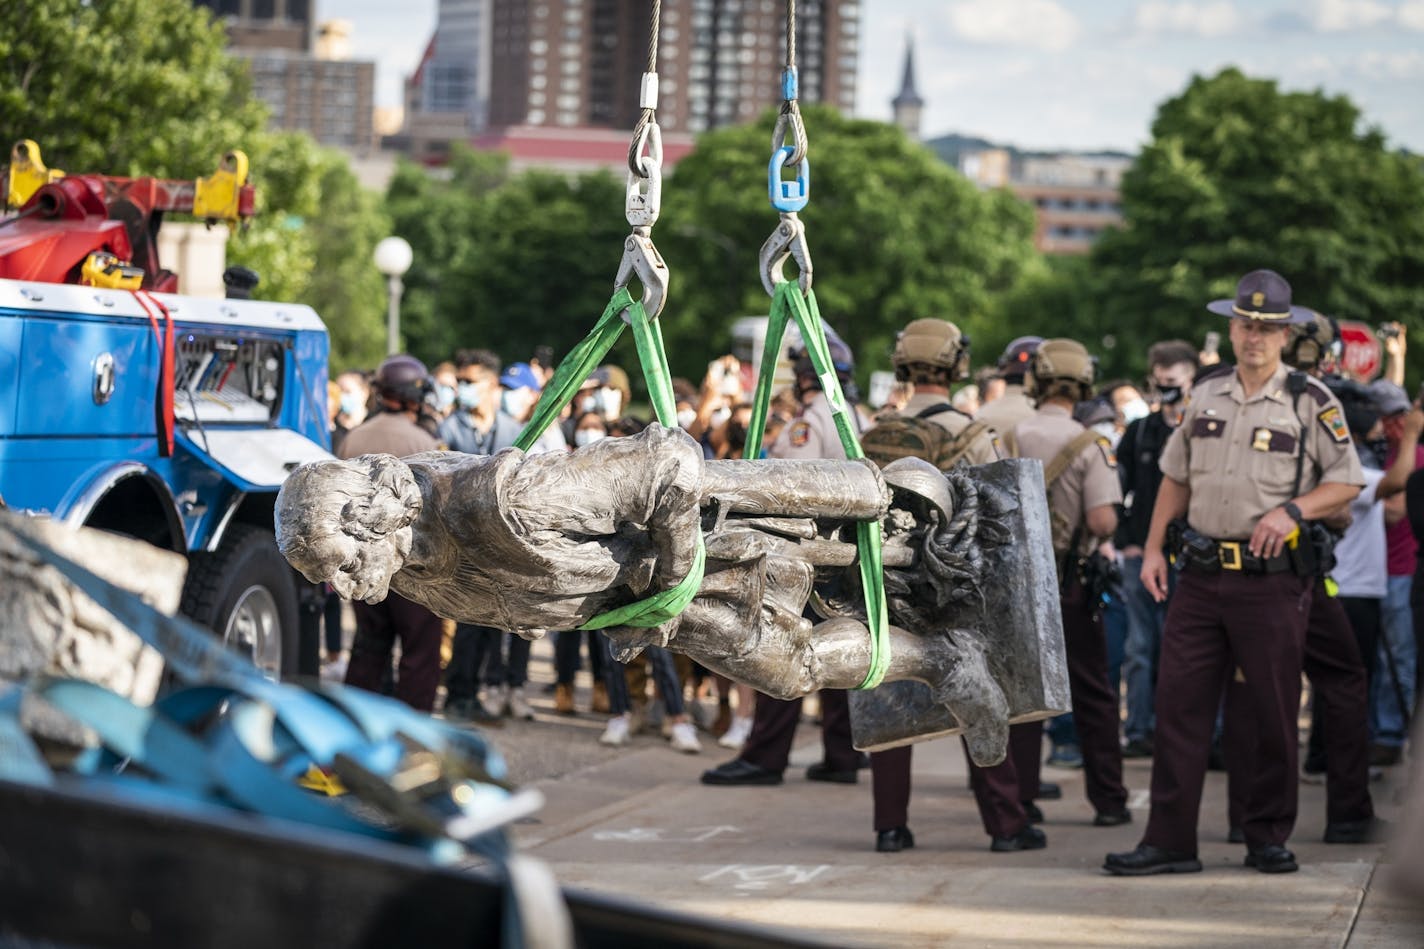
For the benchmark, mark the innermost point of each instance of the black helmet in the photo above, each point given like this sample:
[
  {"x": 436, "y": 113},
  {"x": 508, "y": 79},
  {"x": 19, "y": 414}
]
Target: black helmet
[
  {"x": 1314, "y": 344},
  {"x": 403, "y": 377},
  {"x": 1018, "y": 357}
]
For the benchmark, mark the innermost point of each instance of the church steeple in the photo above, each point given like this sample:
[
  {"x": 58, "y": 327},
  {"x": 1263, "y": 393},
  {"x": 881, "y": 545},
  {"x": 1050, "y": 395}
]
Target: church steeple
[{"x": 907, "y": 103}]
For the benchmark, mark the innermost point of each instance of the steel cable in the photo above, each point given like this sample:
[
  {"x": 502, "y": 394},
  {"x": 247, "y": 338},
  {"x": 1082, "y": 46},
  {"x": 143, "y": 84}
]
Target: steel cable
[{"x": 646, "y": 117}]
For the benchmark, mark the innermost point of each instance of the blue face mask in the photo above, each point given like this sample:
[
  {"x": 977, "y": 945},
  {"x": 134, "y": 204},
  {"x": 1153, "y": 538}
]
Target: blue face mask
[
  {"x": 469, "y": 395},
  {"x": 444, "y": 397},
  {"x": 351, "y": 403}
]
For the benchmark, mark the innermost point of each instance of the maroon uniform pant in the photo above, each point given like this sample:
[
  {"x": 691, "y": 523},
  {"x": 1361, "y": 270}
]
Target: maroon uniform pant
[
  {"x": 1095, "y": 704},
  {"x": 1337, "y": 674},
  {"x": 1216, "y": 625},
  {"x": 1001, "y": 791},
  {"x": 377, "y": 629},
  {"x": 774, "y": 729}
]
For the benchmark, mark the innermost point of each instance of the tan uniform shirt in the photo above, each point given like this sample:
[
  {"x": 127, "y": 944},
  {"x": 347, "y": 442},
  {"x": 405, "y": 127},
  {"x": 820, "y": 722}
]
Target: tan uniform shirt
[
  {"x": 812, "y": 433},
  {"x": 389, "y": 433},
  {"x": 1089, "y": 481},
  {"x": 1007, "y": 411},
  {"x": 1238, "y": 456},
  {"x": 980, "y": 451}
]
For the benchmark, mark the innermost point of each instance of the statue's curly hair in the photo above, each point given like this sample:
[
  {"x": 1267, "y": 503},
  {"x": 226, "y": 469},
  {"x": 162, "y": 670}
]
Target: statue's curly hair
[{"x": 367, "y": 498}]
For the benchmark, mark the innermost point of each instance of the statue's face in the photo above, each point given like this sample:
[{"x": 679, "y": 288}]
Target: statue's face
[{"x": 356, "y": 569}]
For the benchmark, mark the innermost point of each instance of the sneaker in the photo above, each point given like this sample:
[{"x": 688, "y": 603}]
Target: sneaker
[
  {"x": 1065, "y": 756},
  {"x": 564, "y": 699},
  {"x": 684, "y": 738},
  {"x": 519, "y": 705},
  {"x": 600, "y": 698},
  {"x": 736, "y": 735},
  {"x": 334, "y": 670},
  {"x": 494, "y": 700},
  {"x": 616, "y": 733},
  {"x": 699, "y": 715}
]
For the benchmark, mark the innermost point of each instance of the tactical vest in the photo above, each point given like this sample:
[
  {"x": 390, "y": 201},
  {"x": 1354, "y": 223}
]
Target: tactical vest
[{"x": 906, "y": 436}]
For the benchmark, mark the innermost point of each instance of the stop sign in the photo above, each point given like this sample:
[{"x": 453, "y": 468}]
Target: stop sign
[{"x": 1361, "y": 360}]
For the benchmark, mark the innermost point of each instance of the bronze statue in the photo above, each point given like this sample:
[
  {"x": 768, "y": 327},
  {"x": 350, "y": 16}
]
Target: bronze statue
[{"x": 531, "y": 543}]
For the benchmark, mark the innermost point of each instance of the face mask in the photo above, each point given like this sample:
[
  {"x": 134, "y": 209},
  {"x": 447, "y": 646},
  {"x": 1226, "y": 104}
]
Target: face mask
[
  {"x": 351, "y": 403},
  {"x": 587, "y": 436},
  {"x": 686, "y": 417},
  {"x": 444, "y": 397},
  {"x": 591, "y": 403},
  {"x": 1380, "y": 447},
  {"x": 515, "y": 403},
  {"x": 1135, "y": 409},
  {"x": 1169, "y": 395},
  {"x": 720, "y": 416},
  {"x": 469, "y": 394},
  {"x": 612, "y": 402},
  {"x": 1106, "y": 429}
]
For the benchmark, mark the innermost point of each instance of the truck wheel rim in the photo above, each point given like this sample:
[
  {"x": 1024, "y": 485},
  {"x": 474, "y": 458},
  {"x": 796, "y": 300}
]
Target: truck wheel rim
[{"x": 255, "y": 630}]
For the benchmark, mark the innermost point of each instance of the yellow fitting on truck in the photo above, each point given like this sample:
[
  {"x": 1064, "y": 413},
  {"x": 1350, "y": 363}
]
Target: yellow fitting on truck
[
  {"x": 27, "y": 173},
  {"x": 102, "y": 269},
  {"x": 216, "y": 197}
]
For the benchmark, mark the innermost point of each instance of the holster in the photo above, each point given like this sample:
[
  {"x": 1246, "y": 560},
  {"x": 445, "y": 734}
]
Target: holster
[{"x": 1192, "y": 548}]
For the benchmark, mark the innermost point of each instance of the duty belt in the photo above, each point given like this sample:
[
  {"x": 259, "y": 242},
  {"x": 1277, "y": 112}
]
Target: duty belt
[{"x": 1234, "y": 555}]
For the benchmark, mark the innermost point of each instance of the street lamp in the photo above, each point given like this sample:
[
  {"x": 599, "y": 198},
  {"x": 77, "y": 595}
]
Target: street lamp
[{"x": 393, "y": 257}]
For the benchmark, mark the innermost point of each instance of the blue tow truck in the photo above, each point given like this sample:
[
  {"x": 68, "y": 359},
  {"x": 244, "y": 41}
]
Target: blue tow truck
[{"x": 172, "y": 419}]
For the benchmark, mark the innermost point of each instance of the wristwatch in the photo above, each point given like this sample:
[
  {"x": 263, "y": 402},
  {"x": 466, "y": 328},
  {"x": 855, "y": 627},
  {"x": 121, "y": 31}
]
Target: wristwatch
[{"x": 1291, "y": 508}]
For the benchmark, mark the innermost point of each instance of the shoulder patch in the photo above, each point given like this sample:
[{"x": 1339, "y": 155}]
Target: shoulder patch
[
  {"x": 1334, "y": 423},
  {"x": 1109, "y": 455},
  {"x": 799, "y": 433},
  {"x": 1318, "y": 391}
]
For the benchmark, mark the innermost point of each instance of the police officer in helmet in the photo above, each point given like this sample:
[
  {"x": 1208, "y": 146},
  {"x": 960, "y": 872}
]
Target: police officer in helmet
[
  {"x": 1011, "y": 408},
  {"x": 932, "y": 355},
  {"x": 401, "y": 384}
]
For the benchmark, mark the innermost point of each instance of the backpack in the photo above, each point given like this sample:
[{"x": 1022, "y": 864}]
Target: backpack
[{"x": 905, "y": 436}]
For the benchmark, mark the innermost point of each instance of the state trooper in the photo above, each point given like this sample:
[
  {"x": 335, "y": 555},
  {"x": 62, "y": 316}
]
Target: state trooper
[
  {"x": 1011, "y": 408},
  {"x": 1332, "y": 660},
  {"x": 1260, "y": 451},
  {"x": 1080, "y": 474},
  {"x": 931, "y": 355},
  {"x": 763, "y": 758}
]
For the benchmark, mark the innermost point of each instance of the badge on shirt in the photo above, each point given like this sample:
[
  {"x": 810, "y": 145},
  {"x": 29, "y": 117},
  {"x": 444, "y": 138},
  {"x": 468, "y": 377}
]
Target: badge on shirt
[
  {"x": 1334, "y": 423},
  {"x": 1109, "y": 455},
  {"x": 1261, "y": 439},
  {"x": 800, "y": 433}
]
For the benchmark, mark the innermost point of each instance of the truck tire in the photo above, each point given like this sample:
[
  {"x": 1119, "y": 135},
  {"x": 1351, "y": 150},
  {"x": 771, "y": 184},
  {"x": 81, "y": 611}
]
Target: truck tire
[{"x": 247, "y": 594}]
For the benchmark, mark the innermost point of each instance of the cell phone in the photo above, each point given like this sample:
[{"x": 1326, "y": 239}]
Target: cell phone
[{"x": 1213, "y": 343}]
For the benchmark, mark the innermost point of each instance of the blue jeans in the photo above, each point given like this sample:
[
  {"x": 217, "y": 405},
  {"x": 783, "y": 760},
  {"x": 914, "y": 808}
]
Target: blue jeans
[
  {"x": 1145, "y": 619},
  {"x": 1393, "y": 682}
]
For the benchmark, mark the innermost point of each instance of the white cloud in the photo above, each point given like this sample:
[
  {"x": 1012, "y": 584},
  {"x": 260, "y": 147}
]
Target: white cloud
[
  {"x": 1391, "y": 67},
  {"x": 1212, "y": 18},
  {"x": 1342, "y": 16},
  {"x": 1411, "y": 15},
  {"x": 1035, "y": 24}
]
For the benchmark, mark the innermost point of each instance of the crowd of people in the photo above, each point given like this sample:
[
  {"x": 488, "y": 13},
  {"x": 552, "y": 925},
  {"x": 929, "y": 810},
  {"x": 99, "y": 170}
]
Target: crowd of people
[{"x": 1220, "y": 530}]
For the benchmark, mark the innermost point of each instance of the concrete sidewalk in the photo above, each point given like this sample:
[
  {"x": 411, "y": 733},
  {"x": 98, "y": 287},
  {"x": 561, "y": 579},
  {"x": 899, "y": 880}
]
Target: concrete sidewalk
[{"x": 636, "y": 822}]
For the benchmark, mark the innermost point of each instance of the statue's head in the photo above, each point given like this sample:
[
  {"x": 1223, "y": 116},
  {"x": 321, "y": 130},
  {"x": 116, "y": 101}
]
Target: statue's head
[{"x": 347, "y": 523}]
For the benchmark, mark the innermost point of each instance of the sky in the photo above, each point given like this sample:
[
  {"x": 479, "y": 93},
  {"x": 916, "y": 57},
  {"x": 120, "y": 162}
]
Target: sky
[{"x": 1077, "y": 74}]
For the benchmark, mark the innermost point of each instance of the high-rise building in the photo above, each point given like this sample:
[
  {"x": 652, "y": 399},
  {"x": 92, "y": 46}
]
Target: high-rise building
[
  {"x": 304, "y": 75},
  {"x": 579, "y": 62}
]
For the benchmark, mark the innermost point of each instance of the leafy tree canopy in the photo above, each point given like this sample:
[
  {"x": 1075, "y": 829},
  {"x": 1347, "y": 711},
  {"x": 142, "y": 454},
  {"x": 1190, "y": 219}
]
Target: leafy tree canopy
[{"x": 1241, "y": 175}]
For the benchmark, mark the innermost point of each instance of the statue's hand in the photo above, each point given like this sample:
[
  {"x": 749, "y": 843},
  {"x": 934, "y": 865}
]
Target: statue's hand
[{"x": 969, "y": 691}]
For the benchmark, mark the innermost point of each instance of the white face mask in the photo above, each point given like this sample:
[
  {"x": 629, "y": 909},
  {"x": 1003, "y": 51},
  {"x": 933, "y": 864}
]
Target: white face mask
[
  {"x": 587, "y": 436},
  {"x": 516, "y": 403},
  {"x": 720, "y": 417},
  {"x": 1106, "y": 429},
  {"x": 686, "y": 417},
  {"x": 1134, "y": 409}
]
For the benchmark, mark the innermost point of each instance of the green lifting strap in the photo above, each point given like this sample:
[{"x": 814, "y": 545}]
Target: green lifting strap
[
  {"x": 788, "y": 303},
  {"x": 568, "y": 378}
]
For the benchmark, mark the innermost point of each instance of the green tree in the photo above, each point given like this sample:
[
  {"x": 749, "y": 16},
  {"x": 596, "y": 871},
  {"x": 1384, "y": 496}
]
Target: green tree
[
  {"x": 894, "y": 235},
  {"x": 1239, "y": 175},
  {"x": 126, "y": 87}
]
